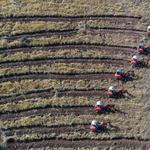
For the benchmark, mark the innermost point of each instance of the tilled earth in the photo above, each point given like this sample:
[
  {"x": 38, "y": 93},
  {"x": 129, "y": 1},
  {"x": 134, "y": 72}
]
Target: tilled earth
[{"x": 56, "y": 111}]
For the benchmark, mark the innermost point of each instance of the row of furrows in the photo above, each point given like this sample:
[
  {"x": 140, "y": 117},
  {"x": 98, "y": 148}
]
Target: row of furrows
[
  {"x": 56, "y": 130},
  {"x": 53, "y": 111},
  {"x": 54, "y": 117},
  {"x": 25, "y": 86},
  {"x": 59, "y": 106},
  {"x": 62, "y": 54},
  {"x": 80, "y": 133},
  {"x": 47, "y": 120},
  {"x": 62, "y": 34}
]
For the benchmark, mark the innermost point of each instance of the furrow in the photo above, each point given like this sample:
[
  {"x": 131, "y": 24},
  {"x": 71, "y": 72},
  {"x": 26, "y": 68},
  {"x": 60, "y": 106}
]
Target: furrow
[
  {"x": 49, "y": 94},
  {"x": 24, "y": 28},
  {"x": 107, "y": 61},
  {"x": 101, "y": 144},
  {"x": 46, "y": 34},
  {"x": 46, "y": 130},
  {"x": 59, "y": 77},
  {"x": 35, "y": 86},
  {"x": 111, "y": 19},
  {"x": 94, "y": 32},
  {"x": 80, "y": 38},
  {"x": 54, "y": 111},
  {"x": 119, "y": 129},
  {"x": 63, "y": 68},
  {"x": 84, "y": 48}
]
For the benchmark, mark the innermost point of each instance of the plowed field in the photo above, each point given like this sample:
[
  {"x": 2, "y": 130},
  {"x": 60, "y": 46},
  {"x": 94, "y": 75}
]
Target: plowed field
[{"x": 55, "y": 64}]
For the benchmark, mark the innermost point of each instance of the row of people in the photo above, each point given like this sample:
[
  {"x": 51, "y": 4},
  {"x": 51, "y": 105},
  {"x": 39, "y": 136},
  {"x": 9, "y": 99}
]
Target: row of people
[{"x": 99, "y": 107}]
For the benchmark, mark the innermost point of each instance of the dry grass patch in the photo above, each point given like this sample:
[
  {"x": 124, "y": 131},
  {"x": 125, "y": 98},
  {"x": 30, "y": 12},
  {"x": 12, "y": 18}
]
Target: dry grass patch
[
  {"x": 63, "y": 102},
  {"x": 8, "y": 88},
  {"x": 41, "y": 26},
  {"x": 67, "y": 53},
  {"x": 76, "y": 8},
  {"x": 61, "y": 68},
  {"x": 80, "y": 38}
]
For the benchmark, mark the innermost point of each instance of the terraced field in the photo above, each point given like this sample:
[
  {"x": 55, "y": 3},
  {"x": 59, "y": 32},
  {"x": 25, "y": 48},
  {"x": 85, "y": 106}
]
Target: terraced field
[{"x": 57, "y": 59}]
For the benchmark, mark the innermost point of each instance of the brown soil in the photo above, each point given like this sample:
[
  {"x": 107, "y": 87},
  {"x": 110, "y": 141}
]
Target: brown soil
[
  {"x": 76, "y": 19},
  {"x": 114, "y": 62},
  {"x": 59, "y": 77},
  {"x": 47, "y": 130},
  {"x": 49, "y": 94},
  {"x": 42, "y": 34},
  {"x": 82, "y": 143},
  {"x": 101, "y": 93},
  {"x": 50, "y": 110},
  {"x": 66, "y": 33}
]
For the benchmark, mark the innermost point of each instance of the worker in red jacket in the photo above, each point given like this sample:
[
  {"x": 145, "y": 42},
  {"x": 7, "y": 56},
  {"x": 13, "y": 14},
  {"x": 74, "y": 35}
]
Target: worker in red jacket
[
  {"x": 122, "y": 76},
  {"x": 119, "y": 75},
  {"x": 115, "y": 94},
  {"x": 100, "y": 108},
  {"x": 148, "y": 30},
  {"x": 96, "y": 127},
  {"x": 136, "y": 63},
  {"x": 141, "y": 49}
]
